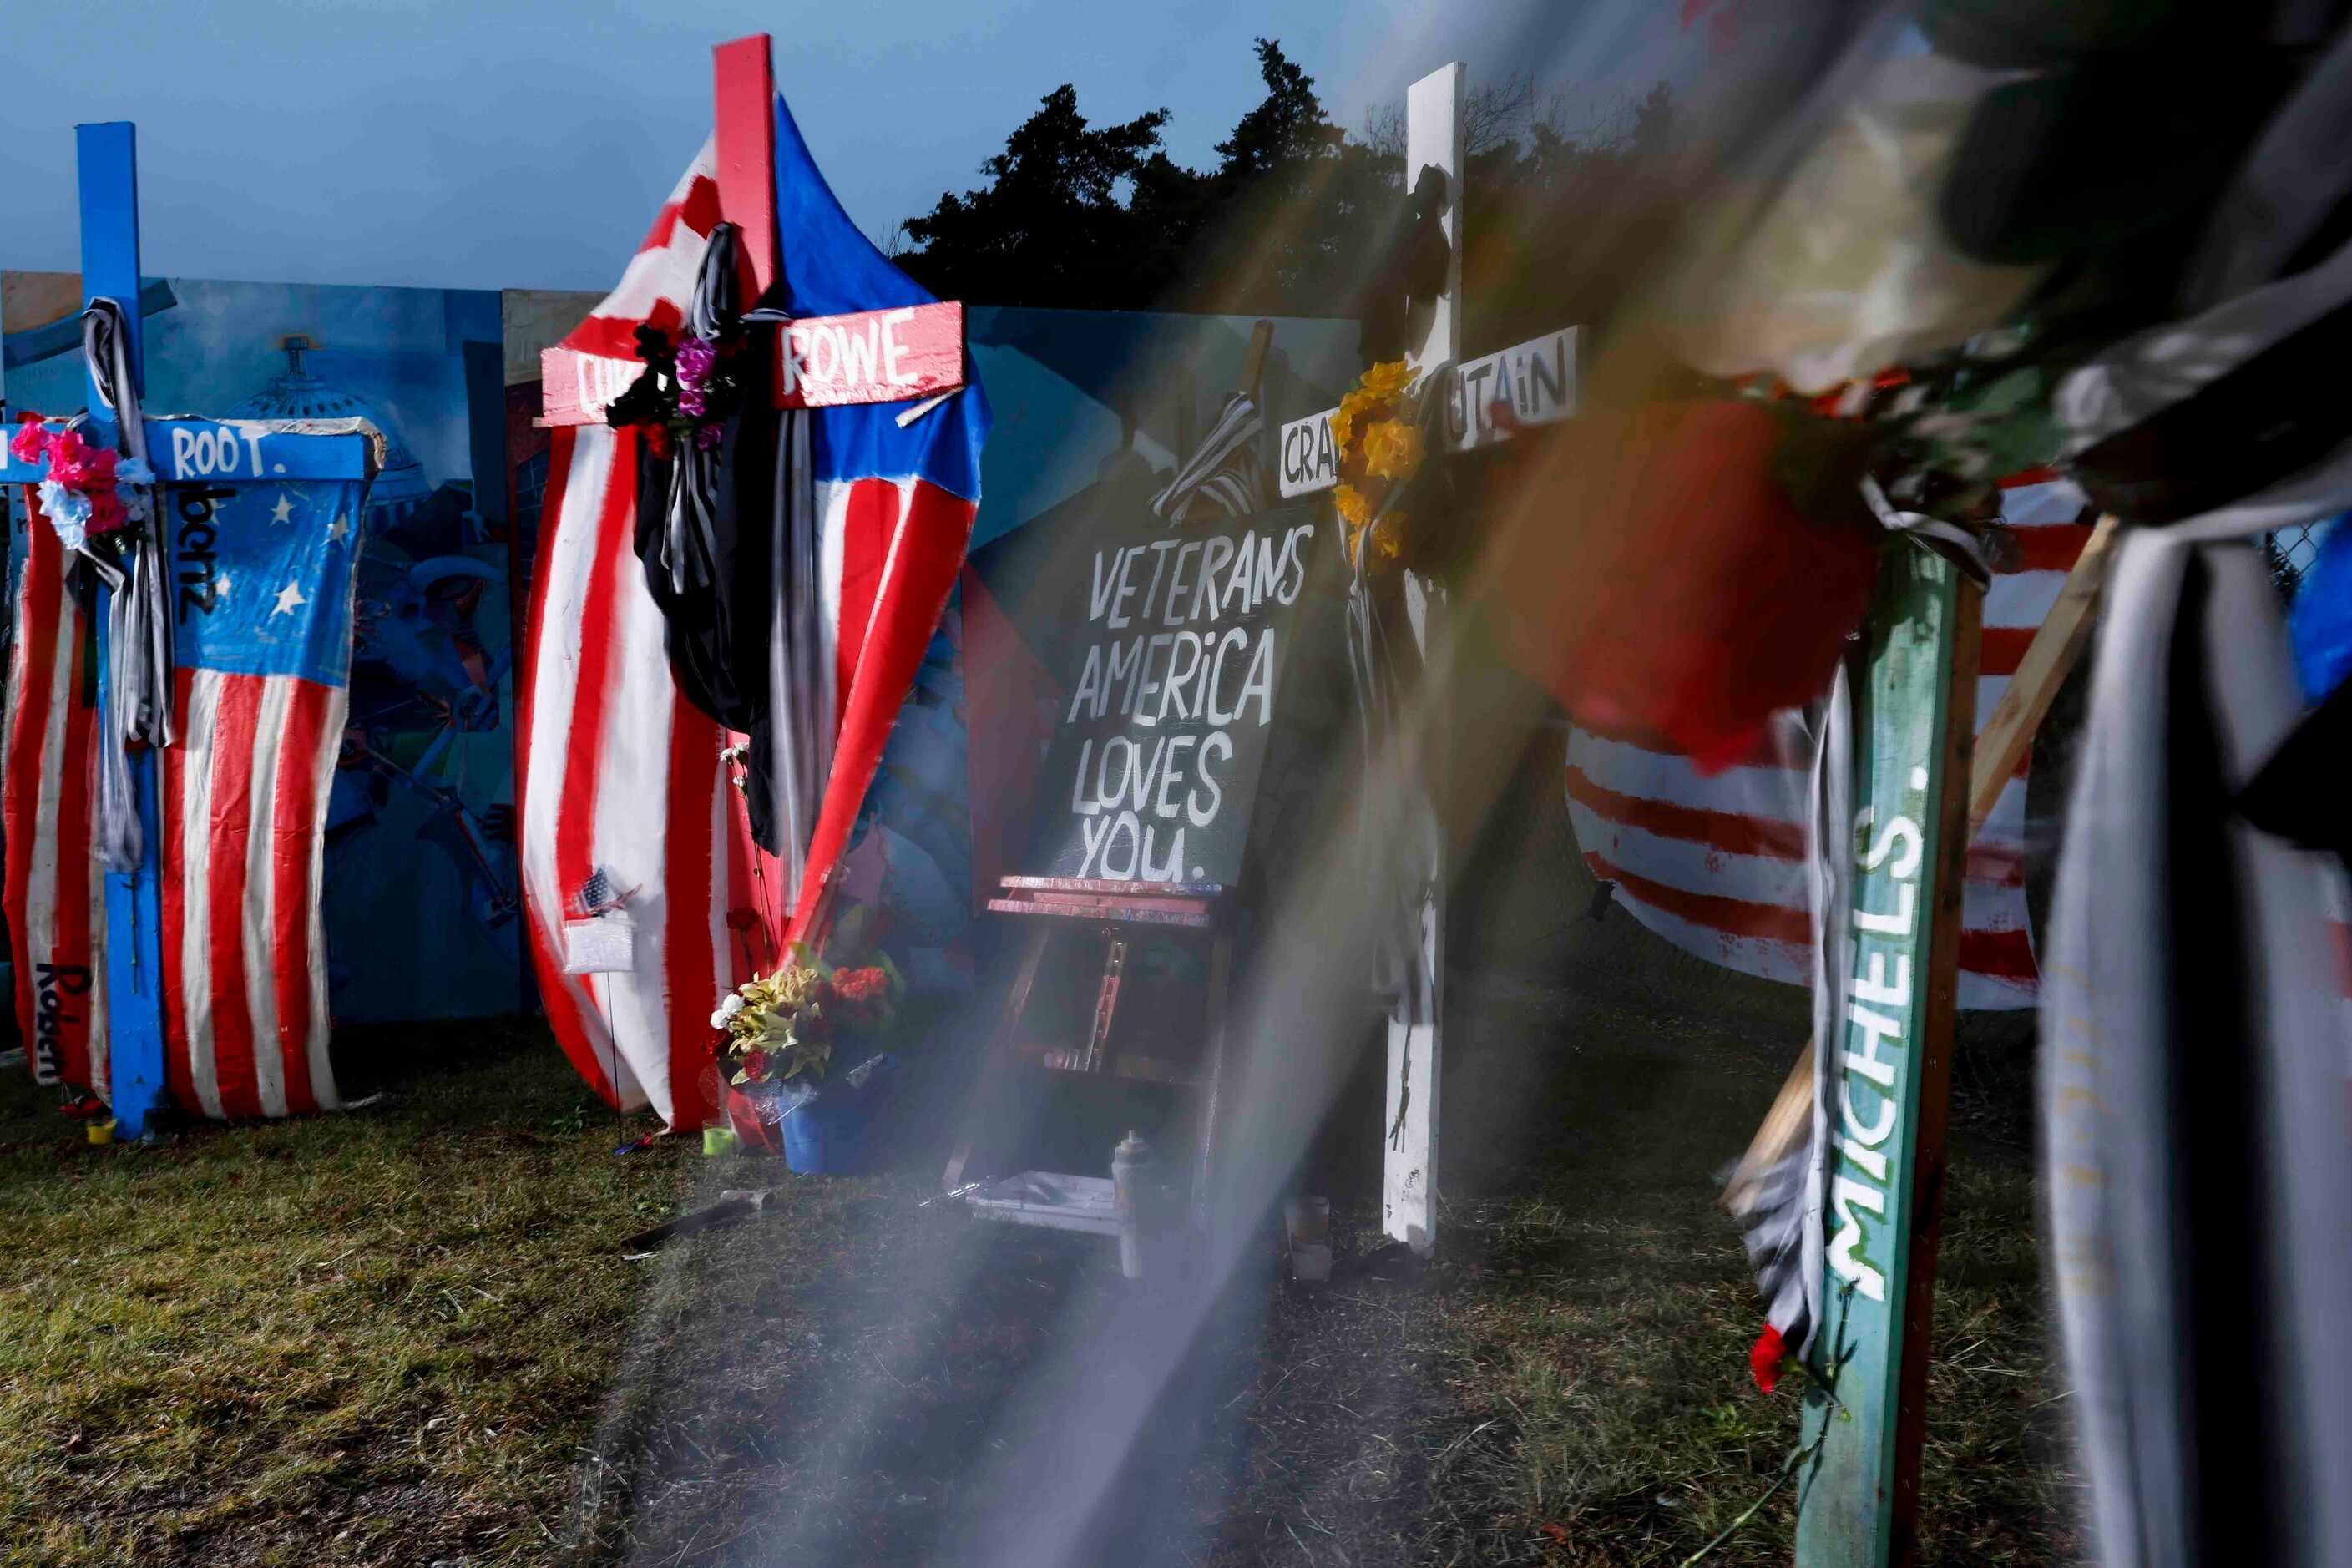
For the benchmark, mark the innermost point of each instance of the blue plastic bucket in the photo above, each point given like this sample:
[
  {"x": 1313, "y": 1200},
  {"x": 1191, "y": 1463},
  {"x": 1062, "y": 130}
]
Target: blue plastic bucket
[{"x": 826, "y": 1136}]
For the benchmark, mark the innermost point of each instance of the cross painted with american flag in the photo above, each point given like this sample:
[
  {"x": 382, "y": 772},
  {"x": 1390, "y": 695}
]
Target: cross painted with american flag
[
  {"x": 625, "y": 781},
  {"x": 174, "y": 708}
]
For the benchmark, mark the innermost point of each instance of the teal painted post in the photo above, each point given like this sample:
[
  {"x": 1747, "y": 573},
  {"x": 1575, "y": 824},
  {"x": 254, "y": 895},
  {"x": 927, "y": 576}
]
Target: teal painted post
[
  {"x": 1915, "y": 722},
  {"x": 108, "y": 158}
]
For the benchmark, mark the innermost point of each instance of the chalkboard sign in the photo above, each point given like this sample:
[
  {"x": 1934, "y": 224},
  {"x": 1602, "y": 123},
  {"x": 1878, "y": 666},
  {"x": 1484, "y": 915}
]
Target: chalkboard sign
[{"x": 1171, "y": 687}]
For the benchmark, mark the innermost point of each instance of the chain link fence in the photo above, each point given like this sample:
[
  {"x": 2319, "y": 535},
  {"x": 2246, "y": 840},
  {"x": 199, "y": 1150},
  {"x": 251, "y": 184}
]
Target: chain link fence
[{"x": 2292, "y": 552}]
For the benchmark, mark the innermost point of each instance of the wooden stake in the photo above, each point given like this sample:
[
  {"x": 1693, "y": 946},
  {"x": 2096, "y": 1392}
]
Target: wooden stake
[
  {"x": 1253, "y": 367},
  {"x": 2057, "y": 644},
  {"x": 1865, "y": 1418}
]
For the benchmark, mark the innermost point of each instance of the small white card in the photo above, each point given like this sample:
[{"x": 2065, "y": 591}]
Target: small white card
[{"x": 600, "y": 945}]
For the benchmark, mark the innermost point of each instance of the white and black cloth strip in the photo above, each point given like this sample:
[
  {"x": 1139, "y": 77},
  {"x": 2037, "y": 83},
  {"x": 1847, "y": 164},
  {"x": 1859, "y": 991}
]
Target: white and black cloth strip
[
  {"x": 688, "y": 550},
  {"x": 2194, "y": 1029},
  {"x": 138, "y": 622},
  {"x": 1781, "y": 1208},
  {"x": 1224, "y": 477},
  {"x": 798, "y": 734}
]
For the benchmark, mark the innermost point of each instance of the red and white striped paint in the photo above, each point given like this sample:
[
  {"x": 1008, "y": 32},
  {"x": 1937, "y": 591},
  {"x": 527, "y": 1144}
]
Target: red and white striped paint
[
  {"x": 1715, "y": 865},
  {"x": 618, "y": 773},
  {"x": 54, "y": 888},
  {"x": 598, "y": 360},
  {"x": 243, "y": 798}
]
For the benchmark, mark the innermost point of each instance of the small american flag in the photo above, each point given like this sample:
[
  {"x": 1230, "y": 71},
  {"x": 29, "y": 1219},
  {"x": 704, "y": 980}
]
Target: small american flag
[{"x": 596, "y": 896}]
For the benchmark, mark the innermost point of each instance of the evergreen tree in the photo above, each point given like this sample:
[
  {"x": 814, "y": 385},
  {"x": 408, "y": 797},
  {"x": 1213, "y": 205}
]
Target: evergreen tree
[
  {"x": 1049, "y": 226},
  {"x": 1297, "y": 214}
]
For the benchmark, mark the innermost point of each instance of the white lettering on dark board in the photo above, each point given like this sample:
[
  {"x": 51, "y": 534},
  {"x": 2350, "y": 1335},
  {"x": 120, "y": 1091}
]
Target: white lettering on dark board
[{"x": 1178, "y": 638}]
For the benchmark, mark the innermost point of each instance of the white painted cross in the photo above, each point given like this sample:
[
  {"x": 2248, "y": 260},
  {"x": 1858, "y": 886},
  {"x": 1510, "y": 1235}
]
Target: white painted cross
[
  {"x": 1409, "y": 1102},
  {"x": 1486, "y": 400}
]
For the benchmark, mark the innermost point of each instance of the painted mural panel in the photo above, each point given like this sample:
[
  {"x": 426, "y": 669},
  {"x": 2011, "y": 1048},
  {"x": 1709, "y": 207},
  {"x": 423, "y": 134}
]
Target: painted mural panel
[{"x": 420, "y": 907}]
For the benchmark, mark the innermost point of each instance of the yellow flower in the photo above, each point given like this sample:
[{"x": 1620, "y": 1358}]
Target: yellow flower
[
  {"x": 1392, "y": 450},
  {"x": 1343, "y": 423},
  {"x": 1352, "y": 505},
  {"x": 1387, "y": 535},
  {"x": 1386, "y": 381}
]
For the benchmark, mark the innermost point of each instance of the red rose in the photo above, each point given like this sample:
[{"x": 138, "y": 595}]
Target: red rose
[
  {"x": 755, "y": 1066},
  {"x": 860, "y": 986},
  {"x": 1765, "y": 1356},
  {"x": 106, "y": 513}
]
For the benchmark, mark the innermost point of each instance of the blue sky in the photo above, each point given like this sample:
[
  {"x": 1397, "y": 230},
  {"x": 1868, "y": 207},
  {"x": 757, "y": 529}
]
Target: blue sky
[{"x": 501, "y": 143}]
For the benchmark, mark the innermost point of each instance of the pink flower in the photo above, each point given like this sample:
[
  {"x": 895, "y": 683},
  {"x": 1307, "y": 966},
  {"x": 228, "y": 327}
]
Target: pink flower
[
  {"x": 30, "y": 441},
  {"x": 67, "y": 450},
  {"x": 106, "y": 513},
  {"x": 97, "y": 465}
]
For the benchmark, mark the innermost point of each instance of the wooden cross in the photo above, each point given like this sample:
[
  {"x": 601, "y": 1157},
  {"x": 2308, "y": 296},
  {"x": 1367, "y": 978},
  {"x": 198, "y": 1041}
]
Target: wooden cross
[
  {"x": 180, "y": 451},
  {"x": 913, "y": 353}
]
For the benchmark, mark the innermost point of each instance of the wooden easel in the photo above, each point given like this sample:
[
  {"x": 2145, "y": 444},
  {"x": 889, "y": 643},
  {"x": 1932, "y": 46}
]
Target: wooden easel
[{"x": 1113, "y": 913}]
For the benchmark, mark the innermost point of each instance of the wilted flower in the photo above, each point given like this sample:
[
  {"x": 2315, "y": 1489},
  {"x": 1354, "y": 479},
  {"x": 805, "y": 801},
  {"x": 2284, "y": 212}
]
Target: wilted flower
[
  {"x": 1352, "y": 505},
  {"x": 1765, "y": 1358},
  {"x": 68, "y": 512},
  {"x": 30, "y": 441},
  {"x": 106, "y": 513}
]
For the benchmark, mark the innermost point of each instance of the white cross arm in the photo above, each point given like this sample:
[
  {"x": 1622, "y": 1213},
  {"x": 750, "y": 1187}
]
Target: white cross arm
[{"x": 1487, "y": 399}]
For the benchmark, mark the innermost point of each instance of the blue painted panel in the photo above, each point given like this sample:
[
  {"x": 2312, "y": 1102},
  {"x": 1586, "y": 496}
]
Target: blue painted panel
[
  {"x": 109, "y": 163},
  {"x": 108, "y": 158}
]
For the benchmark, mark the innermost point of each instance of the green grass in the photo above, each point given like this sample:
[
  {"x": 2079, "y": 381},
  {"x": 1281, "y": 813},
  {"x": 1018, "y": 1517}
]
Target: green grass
[
  {"x": 406, "y": 1335},
  {"x": 1571, "y": 1385},
  {"x": 375, "y": 1337}
]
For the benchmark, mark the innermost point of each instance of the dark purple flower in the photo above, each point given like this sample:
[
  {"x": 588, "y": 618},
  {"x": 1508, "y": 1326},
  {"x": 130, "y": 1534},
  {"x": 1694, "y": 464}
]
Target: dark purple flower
[
  {"x": 690, "y": 400},
  {"x": 696, "y": 358},
  {"x": 706, "y": 437}
]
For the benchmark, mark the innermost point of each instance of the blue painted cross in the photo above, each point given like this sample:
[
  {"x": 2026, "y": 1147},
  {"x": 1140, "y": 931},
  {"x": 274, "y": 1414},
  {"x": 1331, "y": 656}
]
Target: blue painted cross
[{"x": 180, "y": 449}]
